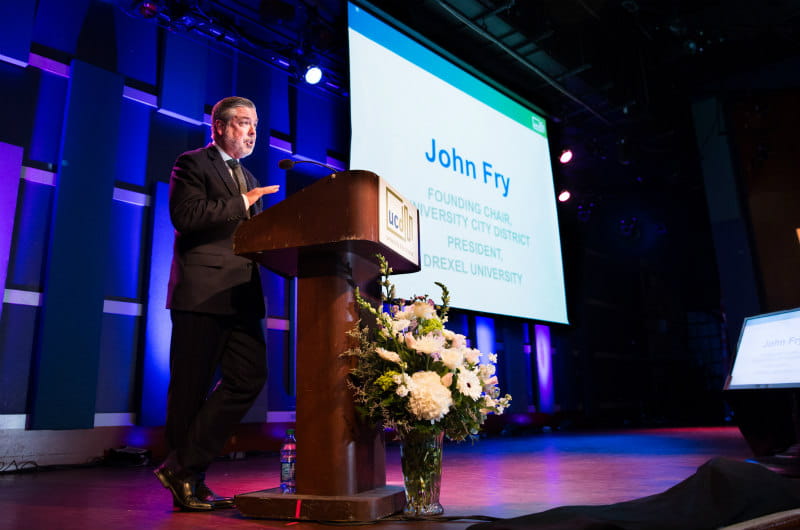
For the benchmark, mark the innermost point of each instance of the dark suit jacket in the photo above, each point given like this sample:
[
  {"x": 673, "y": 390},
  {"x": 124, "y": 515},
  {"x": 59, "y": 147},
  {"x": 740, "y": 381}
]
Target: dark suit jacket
[{"x": 205, "y": 206}]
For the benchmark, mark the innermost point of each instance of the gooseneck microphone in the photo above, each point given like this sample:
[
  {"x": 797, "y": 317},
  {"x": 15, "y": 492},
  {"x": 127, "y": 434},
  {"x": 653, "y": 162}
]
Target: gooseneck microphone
[{"x": 287, "y": 164}]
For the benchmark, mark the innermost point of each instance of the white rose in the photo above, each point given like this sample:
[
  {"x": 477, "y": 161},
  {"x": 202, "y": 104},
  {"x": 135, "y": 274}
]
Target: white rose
[
  {"x": 452, "y": 358},
  {"x": 472, "y": 355}
]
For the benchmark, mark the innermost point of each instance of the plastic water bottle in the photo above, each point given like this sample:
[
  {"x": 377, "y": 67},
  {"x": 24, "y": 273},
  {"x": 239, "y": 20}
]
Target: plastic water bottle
[{"x": 288, "y": 459}]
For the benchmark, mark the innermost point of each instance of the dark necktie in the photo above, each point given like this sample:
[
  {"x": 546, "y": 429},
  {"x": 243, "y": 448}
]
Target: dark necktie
[{"x": 238, "y": 175}]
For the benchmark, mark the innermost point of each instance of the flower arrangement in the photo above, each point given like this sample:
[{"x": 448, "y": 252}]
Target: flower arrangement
[{"x": 413, "y": 374}]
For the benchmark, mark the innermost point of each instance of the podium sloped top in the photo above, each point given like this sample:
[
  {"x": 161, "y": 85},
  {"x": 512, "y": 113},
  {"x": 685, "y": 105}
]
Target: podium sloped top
[{"x": 338, "y": 213}]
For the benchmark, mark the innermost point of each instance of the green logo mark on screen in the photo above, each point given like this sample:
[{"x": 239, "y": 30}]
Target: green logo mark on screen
[{"x": 538, "y": 124}]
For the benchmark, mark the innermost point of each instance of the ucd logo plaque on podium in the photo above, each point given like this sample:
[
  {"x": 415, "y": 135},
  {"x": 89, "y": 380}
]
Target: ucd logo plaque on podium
[{"x": 397, "y": 219}]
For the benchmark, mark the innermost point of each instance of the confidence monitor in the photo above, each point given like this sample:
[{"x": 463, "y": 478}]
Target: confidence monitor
[
  {"x": 768, "y": 352},
  {"x": 762, "y": 386}
]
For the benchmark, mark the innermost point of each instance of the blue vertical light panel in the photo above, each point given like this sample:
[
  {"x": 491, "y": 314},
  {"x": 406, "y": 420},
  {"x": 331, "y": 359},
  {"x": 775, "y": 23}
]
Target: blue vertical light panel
[
  {"x": 64, "y": 387},
  {"x": 155, "y": 372},
  {"x": 10, "y": 169},
  {"x": 485, "y": 336}
]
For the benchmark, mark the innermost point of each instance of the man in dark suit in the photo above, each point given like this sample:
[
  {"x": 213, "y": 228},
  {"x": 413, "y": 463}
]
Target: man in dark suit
[{"x": 216, "y": 304}]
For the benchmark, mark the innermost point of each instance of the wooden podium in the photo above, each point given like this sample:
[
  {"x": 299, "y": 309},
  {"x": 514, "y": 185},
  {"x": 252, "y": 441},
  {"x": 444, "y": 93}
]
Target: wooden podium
[{"x": 327, "y": 235}]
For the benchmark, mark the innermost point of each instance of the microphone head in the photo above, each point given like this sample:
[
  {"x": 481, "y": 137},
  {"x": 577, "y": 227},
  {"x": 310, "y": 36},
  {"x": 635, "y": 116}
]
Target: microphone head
[{"x": 286, "y": 164}]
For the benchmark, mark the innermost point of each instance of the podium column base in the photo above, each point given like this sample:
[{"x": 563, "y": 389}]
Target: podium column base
[{"x": 367, "y": 505}]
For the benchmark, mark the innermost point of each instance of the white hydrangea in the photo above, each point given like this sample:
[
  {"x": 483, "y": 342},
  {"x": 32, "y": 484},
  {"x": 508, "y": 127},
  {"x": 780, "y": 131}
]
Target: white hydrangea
[{"x": 428, "y": 399}]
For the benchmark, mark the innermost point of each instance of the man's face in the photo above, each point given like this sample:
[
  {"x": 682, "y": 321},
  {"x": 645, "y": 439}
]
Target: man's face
[{"x": 237, "y": 137}]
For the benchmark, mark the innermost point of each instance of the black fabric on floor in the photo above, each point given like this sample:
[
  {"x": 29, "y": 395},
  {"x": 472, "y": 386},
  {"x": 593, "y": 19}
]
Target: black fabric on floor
[{"x": 722, "y": 492}]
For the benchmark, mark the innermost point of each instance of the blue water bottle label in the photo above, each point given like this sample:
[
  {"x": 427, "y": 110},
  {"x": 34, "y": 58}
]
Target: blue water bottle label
[{"x": 287, "y": 472}]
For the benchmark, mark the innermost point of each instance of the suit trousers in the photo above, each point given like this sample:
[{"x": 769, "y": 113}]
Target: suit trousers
[{"x": 218, "y": 366}]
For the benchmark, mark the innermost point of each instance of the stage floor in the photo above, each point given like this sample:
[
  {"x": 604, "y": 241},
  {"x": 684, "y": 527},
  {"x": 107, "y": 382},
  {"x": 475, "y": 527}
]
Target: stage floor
[{"x": 496, "y": 477}]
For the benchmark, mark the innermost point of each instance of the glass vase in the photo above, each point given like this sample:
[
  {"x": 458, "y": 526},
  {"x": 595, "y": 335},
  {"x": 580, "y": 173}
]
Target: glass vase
[{"x": 421, "y": 460}]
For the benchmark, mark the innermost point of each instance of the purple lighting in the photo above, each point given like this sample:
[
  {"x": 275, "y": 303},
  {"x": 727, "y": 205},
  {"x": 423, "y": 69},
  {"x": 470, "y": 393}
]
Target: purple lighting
[
  {"x": 544, "y": 368},
  {"x": 10, "y": 170}
]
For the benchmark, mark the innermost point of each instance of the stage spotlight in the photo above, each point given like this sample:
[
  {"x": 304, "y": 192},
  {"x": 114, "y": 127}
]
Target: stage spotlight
[
  {"x": 313, "y": 74},
  {"x": 564, "y": 196},
  {"x": 566, "y": 156},
  {"x": 149, "y": 9}
]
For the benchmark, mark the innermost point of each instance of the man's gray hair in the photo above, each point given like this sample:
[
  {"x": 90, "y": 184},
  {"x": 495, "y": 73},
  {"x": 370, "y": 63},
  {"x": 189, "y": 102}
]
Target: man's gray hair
[{"x": 223, "y": 110}]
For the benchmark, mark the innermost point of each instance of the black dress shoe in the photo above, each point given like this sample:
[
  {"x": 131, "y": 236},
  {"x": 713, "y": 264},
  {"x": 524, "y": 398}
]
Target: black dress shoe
[
  {"x": 182, "y": 488},
  {"x": 205, "y": 494}
]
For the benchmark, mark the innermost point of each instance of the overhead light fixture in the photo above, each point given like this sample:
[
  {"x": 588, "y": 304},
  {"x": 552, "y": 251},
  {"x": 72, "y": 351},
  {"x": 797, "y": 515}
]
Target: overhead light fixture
[
  {"x": 566, "y": 156},
  {"x": 313, "y": 74},
  {"x": 149, "y": 9},
  {"x": 564, "y": 196}
]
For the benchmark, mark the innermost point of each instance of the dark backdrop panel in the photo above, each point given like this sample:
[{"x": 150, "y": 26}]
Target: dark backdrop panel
[
  {"x": 97, "y": 40},
  {"x": 123, "y": 262},
  {"x": 131, "y": 148},
  {"x": 17, "y": 329},
  {"x": 314, "y": 127},
  {"x": 19, "y": 85},
  {"x": 168, "y": 138},
  {"x": 116, "y": 390},
  {"x": 16, "y": 29},
  {"x": 136, "y": 47},
  {"x": 64, "y": 385},
  {"x": 223, "y": 67},
  {"x": 58, "y": 24},
  {"x": 48, "y": 119},
  {"x": 279, "y": 109},
  {"x": 183, "y": 76}
]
